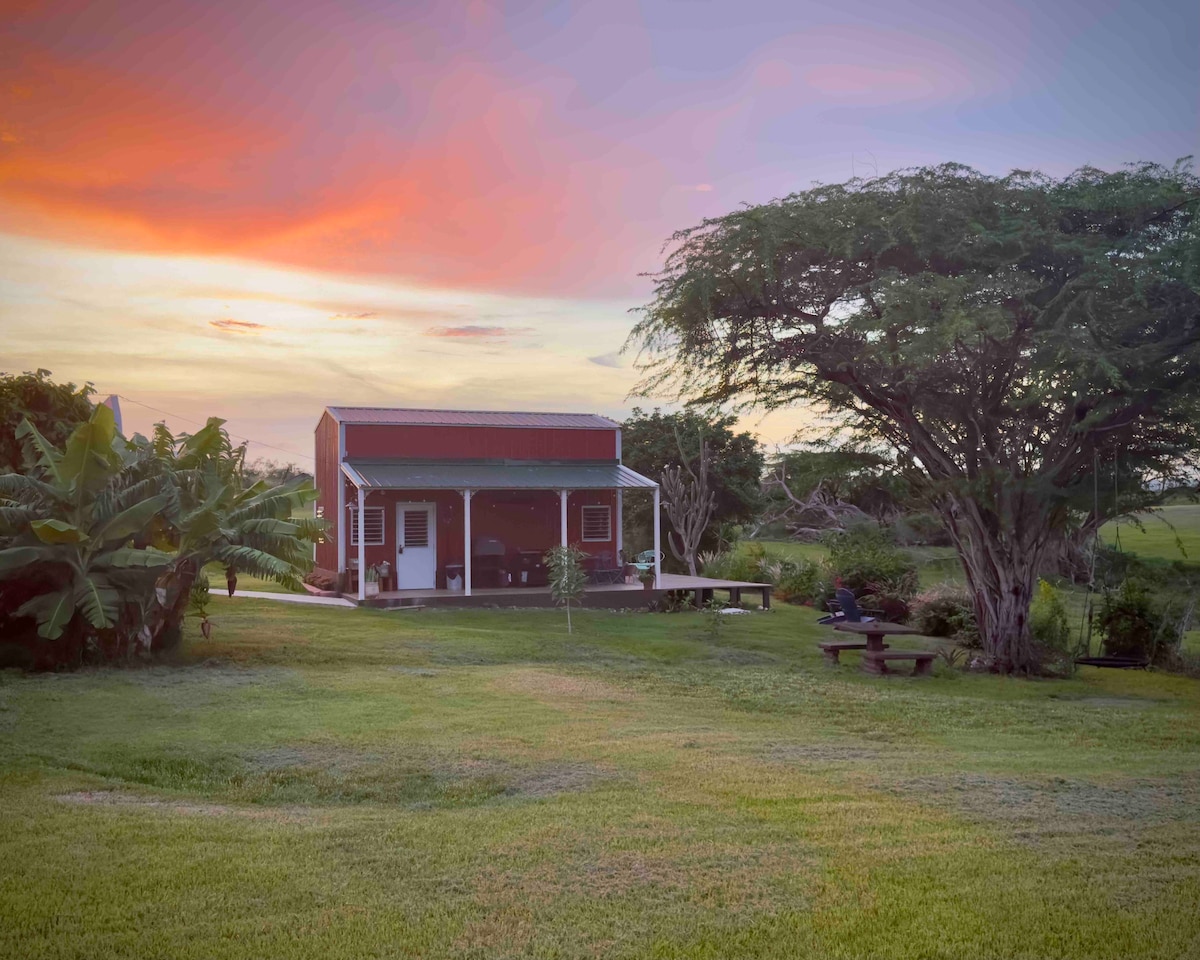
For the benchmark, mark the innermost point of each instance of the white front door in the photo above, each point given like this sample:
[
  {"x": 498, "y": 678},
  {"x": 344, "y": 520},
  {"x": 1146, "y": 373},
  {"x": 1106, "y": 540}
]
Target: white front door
[{"x": 416, "y": 546}]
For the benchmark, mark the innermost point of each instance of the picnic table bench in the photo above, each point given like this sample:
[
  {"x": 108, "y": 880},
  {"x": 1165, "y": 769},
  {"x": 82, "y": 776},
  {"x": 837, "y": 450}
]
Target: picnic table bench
[
  {"x": 875, "y": 661},
  {"x": 875, "y": 652},
  {"x": 833, "y": 648}
]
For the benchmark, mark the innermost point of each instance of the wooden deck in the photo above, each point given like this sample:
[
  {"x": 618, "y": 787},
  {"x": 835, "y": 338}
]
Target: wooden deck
[{"x": 607, "y": 595}]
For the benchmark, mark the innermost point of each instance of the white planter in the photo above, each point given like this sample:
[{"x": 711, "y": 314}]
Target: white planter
[{"x": 372, "y": 588}]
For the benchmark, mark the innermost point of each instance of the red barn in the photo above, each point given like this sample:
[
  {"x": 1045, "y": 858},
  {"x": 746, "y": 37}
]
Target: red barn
[{"x": 451, "y": 499}]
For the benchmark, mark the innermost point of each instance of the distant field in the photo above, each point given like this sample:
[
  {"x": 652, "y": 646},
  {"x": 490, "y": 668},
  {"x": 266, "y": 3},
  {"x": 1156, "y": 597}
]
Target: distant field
[
  {"x": 1161, "y": 528},
  {"x": 936, "y": 564}
]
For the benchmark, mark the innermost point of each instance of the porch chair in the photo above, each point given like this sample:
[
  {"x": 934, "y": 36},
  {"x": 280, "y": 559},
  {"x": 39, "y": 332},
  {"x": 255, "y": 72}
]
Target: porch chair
[
  {"x": 645, "y": 560},
  {"x": 844, "y": 609},
  {"x": 603, "y": 571}
]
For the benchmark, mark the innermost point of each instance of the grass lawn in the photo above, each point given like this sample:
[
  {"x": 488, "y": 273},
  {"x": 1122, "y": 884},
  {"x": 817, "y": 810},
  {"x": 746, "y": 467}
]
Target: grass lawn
[
  {"x": 330, "y": 783},
  {"x": 216, "y": 579},
  {"x": 1158, "y": 538}
]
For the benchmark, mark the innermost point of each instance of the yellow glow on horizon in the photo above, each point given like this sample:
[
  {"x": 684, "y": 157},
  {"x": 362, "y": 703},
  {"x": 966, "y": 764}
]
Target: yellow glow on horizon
[{"x": 267, "y": 347}]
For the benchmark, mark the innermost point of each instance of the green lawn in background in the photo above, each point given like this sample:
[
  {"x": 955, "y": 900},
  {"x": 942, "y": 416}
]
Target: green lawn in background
[
  {"x": 216, "y": 579},
  {"x": 1157, "y": 538},
  {"x": 317, "y": 782}
]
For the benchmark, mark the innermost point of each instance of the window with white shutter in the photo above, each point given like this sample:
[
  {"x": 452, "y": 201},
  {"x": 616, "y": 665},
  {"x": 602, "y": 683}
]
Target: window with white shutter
[
  {"x": 597, "y": 524},
  {"x": 372, "y": 521}
]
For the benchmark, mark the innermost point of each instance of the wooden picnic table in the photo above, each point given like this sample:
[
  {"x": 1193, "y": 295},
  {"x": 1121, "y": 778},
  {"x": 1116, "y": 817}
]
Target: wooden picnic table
[
  {"x": 875, "y": 631},
  {"x": 876, "y": 656}
]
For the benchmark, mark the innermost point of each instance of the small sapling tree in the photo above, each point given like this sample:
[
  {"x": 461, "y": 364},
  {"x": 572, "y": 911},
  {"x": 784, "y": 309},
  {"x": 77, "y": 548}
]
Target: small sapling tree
[{"x": 567, "y": 576}]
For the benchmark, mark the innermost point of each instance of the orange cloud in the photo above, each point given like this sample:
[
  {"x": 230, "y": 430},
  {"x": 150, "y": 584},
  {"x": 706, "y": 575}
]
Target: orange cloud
[{"x": 191, "y": 148}]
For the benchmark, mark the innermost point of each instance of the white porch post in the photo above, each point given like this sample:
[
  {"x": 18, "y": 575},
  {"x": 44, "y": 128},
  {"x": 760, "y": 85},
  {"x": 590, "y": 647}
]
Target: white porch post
[
  {"x": 467, "y": 495},
  {"x": 342, "y": 517},
  {"x": 362, "y": 544},
  {"x": 620, "y": 524},
  {"x": 657, "y": 538},
  {"x": 562, "y": 502},
  {"x": 343, "y": 521}
]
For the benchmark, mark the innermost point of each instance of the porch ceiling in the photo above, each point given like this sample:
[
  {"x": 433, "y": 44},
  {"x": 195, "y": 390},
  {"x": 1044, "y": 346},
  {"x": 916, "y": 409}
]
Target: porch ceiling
[{"x": 494, "y": 475}]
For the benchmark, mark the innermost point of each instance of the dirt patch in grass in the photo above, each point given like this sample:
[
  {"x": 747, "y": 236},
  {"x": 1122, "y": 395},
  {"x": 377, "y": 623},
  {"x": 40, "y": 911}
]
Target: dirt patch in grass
[
  {"x": 335, "y": 760},
  {"x": 117, "y": 798},
  {"x": 551, "y": 687},
  {"x": 420, "y": 780},
  {"x": 819, "y": 753}
]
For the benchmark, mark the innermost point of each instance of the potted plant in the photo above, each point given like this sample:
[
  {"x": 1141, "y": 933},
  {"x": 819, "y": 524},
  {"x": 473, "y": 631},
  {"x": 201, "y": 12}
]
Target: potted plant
[
  {"x": 371, "y": 581},
  {"x": 647, "y": 578}
]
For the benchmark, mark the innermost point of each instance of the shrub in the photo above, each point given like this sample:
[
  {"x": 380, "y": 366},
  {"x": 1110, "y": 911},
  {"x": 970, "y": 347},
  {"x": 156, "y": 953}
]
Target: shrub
[
  {"x": 946, "y": 610},
  {"x": 1048, "y": 620},
  {"x": 866, "y": 556},
  {"x": 1130, "y": 622},
  {"x": 803, "y": 581},
  {"x": 891, "y": 596},
  {"x": 750, "y": 564}
]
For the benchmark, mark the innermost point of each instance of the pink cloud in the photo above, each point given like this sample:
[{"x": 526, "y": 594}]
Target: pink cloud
[
  {"x": 474, "y": 331},
  {"x": 228, "y": 325}
]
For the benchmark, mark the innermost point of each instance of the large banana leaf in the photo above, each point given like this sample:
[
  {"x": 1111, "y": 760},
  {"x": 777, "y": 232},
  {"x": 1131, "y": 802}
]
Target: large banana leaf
[
  {"x": 14, "y": 519},
  {"x": 126, "y": 557},
  {"x": 258, "y": 563},
  {"x": 53, "y": 611},
  {"x": 270, "y": 526},
  {"x": 57, "y": 531},
  {"x": 88, "y": 460},
  {"x": 133, "y": 520},
  {"x": 15, "y": 559},
  {"x": 15, "y": 486},
  {"x": 45, "y": 457},
  {"x": 97, "y": 600}
]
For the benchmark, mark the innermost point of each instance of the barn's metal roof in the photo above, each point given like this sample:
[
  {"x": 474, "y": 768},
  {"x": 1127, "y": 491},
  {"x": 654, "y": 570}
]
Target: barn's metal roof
[
  {"x": 491, "y": 475},
  {"x": 471, "y": 418}
]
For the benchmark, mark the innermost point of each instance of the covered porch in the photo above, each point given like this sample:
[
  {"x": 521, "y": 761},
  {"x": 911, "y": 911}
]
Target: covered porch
[
  {"x": 603, "y": 595},
  {"x": 454, "y": 528}
]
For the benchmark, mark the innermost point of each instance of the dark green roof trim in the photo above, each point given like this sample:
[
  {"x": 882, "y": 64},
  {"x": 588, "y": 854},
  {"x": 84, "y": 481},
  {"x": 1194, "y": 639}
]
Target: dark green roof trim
[{"x": 492, "y": 475}]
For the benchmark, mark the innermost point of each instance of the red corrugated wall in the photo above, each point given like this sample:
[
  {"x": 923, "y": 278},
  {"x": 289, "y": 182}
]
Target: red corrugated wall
[
  {"x": 522, "y": 520},
  {"x": 487, "y": 443},
  {"x": 327, "y": 475}
]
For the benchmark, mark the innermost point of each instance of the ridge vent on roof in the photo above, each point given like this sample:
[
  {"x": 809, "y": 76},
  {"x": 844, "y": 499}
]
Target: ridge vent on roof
[{"x": 417, "y": 416}]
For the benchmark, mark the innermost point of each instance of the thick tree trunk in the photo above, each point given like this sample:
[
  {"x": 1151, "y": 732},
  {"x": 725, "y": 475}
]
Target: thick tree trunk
[{"x": 1002, "y": 570}]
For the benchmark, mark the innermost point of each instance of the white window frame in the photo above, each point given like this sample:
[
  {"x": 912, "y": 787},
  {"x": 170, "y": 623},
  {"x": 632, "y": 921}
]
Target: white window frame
[
  {"x": 354, "y": 526},
  {"x": 583, "y": 510}
]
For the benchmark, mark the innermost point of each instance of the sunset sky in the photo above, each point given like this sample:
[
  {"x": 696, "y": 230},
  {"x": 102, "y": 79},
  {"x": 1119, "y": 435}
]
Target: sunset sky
[{"x": 252, "y": 210}]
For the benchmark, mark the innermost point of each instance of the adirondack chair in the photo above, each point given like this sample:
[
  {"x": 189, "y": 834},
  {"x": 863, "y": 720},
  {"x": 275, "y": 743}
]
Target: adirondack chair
[{"x": 844, "y": 609}]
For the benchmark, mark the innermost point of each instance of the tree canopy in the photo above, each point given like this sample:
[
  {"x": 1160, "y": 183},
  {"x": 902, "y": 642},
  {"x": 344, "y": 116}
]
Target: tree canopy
[
  {"x": 650, "y": 444},
  {"x": 54, "y": 409},
  {"x": 1002, "y": 334}
]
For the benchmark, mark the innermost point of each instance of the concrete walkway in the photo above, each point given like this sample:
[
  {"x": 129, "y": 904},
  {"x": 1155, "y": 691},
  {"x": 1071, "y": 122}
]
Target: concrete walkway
[{"x": 295, "y": 598}]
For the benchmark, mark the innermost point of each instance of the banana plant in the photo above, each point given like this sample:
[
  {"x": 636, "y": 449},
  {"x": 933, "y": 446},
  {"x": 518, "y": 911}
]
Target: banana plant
[
  {"x": 248, "y": 529},
  {"x": 72, "y": 528},
  {"x": 109, "y": 535}
]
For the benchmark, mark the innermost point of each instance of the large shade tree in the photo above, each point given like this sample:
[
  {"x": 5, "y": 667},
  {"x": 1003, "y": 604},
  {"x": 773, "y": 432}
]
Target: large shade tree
[{"x": 1002, "y": 334}]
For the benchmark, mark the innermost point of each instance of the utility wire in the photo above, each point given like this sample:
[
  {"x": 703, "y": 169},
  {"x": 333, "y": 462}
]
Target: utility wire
[{"x": 167, "y": 413}]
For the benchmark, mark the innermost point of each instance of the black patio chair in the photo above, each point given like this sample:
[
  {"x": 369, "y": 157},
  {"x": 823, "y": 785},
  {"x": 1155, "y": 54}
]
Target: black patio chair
[
  {"x": 603, "y": 571},
  {"x": 844, "y": 609}
]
